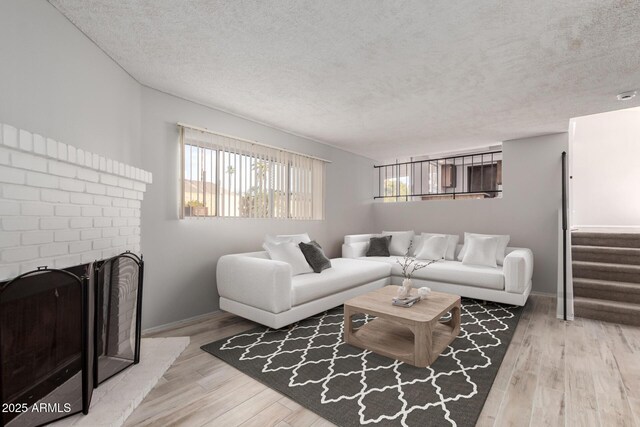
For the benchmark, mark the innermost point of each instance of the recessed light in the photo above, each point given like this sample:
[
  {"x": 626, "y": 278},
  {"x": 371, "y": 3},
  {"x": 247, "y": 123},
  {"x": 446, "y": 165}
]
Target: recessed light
[{"x": 625, "y": 96}]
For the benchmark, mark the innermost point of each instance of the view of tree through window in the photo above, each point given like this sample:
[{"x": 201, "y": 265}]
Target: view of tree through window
[
  {"x": 200, "y": 184},
  {"x": 234, "y": 178}
]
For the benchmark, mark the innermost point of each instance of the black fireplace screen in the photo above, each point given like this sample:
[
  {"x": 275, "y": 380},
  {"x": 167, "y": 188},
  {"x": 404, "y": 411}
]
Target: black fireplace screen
[
  {"x": 118, "y": 284},
  {"x": 63, "y": 332},
  {"x": 43, "y": 347}
]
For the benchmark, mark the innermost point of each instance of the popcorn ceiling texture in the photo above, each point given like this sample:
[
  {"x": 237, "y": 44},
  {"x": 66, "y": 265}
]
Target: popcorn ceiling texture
[
  {"x": 61, "y": 206},
  {"x": 381, "y": 79}
]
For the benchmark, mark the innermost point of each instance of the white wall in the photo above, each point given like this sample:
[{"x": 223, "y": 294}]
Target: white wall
[
  {"x": 605, "y": 169},
  {"x": 528, "y": 209},
  {"x": 181, "y": 255},
  {"x": 55, "y": 82}
]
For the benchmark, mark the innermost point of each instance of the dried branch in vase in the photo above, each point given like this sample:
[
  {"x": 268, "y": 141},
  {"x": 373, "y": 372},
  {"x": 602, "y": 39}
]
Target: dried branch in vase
[{"x": 410, "y": 264}]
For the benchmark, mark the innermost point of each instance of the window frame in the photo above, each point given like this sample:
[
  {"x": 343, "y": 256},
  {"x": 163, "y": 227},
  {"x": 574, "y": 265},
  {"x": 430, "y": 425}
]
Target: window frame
[{"x": 283, "y": 172}]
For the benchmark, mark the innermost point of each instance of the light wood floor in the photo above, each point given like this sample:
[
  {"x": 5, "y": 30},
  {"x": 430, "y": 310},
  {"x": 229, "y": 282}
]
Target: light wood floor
[{"x": 581, "y": 373}]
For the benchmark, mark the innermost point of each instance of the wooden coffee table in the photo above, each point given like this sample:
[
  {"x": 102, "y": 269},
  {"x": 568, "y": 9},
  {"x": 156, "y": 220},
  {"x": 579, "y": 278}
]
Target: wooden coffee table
[{"x": 412, "y": 335}]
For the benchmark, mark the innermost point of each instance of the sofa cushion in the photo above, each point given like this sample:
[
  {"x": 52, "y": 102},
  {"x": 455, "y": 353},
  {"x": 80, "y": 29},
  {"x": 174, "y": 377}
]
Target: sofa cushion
[
  {"x": 355, "y": 250},
  {"x": 315, "y": 256},
  {"x": 290, "y": 253},
  {"x": 481, "y": 251},
  {"x": 434, "y": 247},
  {"x": 358, "y": 238},
  {"x": 450, "y": 272},
  {"x": 452, "y": 243},
  {"x": 503, "y": 241},
  {"x": 400, "y": 242},
  {"x": 345, "y": 273},
  {"x": 379, "y": 246},
  {"x": 281, "y": 238}
]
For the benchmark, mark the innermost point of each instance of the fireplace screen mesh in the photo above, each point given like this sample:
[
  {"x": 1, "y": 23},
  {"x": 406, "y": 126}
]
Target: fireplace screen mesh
[
  {"x": 118, "y": 295},
  {"x": 42, "y": 348}
]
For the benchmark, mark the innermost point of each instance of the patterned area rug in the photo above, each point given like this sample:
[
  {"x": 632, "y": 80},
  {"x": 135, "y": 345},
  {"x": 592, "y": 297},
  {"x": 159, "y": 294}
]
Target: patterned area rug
[{"x": 348, "y": 386}]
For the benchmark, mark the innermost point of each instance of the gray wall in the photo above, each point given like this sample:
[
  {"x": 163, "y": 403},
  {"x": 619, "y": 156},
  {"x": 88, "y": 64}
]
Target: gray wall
[
  {"x": 528, "y": 210},
  {"x": 181, "y": 255},
  {"x": 54, "y": 81}
]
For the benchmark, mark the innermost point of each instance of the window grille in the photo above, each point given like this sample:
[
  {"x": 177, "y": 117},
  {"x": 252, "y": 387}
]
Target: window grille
[
  {"x": 225, "y": 176},
  {"x": 469, "y": 176}
]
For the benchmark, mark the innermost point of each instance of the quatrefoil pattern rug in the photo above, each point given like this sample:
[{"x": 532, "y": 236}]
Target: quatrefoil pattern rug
[{"x": 348, "y": 386}]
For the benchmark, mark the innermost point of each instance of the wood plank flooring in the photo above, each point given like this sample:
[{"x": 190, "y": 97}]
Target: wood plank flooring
[{"x": 580, "y": 373}]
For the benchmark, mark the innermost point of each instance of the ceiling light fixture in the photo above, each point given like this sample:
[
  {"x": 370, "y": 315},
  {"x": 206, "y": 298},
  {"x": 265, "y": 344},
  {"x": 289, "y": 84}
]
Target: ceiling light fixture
[{"x": 625, "y": 96}]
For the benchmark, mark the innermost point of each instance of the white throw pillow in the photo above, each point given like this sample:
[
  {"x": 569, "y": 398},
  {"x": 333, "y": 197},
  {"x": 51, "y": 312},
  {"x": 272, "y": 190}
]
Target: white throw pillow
[
  {"x": 481, "y": 251},
  {"x": 400, "y": 241},
  {"x": 416, "y": 244},
  {"x": 281, "y": 238},
  {"x": 434, "y": 247},
  {"x": 452, "y": 243},
  {"x": 358, "y": 249},
  {"x": 503, "y": 241},
  {"x": 290, "y": 253}
]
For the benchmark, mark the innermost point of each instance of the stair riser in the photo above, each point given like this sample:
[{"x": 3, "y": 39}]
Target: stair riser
[
  {"x": 607, "y": 293},
  {"x": 608, "y": 241},
  {"x": 627, "y": 317},
  {"x": 605, "y": 256},
  {"x": 605, "y": 274}
]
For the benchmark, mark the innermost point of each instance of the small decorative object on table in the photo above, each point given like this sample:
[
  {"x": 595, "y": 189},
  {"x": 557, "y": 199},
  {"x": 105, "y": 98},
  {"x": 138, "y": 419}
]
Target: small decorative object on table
[
  {"x": 409, "y": 266},
  {"x": 406, "y": 301},
  {"x": 423, "y": 292}
]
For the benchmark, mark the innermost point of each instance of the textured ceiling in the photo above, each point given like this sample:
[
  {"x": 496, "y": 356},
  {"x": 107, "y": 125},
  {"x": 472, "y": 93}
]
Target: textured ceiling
[{"x": 384, "y": 79}]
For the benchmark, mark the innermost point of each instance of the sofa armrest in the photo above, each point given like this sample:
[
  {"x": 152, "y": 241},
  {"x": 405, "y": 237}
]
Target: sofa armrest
[
  {"x": 258, "y": 282},
  {"x": 354, "y": 250},
  {"x": 518, "y": 270}
]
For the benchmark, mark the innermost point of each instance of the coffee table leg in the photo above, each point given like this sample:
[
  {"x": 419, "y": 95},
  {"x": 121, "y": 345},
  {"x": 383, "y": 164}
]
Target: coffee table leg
[
  {"x": 422, "y": 350},
  {"x": 348, "y": 324},
  {"x": 454, "y": 322}
]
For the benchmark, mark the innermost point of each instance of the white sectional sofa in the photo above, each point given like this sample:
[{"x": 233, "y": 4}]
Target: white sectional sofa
[
  {"x": 258, "y": 288},
  {"x": 509, "y": 284}
]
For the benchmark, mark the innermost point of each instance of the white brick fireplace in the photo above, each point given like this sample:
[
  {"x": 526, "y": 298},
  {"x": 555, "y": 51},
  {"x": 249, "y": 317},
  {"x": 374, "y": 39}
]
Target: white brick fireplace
[{"x": 61, "y": 206}]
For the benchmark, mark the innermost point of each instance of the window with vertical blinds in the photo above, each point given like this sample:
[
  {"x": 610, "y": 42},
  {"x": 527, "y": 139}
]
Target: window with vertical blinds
[{"x": 224, "y": 176}]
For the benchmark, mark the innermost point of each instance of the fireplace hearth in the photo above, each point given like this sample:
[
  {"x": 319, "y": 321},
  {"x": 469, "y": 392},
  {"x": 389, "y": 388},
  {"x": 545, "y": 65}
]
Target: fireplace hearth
[{"x": 63, "y": 332}]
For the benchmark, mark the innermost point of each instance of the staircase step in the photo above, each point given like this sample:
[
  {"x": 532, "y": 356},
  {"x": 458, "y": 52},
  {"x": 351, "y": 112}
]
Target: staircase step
[
  {"x": 606, "y": 271},
  {"x": 606, "y": 254},
  {"x": 607, "y": 290},
  {"x": 608, "y": 311},
  {"x": 612, "y": 240}
]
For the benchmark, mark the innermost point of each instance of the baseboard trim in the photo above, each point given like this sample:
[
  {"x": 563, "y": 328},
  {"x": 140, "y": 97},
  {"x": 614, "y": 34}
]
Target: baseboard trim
[
  {"x": 552, "y": 295},
  {"x": 587, "y": 227},
  {"x": 179, "y": 323},
  {"x": 543, "y": 294}
]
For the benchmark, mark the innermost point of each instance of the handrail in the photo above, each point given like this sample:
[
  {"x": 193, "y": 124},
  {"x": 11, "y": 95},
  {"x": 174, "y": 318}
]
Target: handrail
[
  {"x": 459, "y": 175},
  {"x": 440, "y": 158},
  {"x": 564, "y": 234},
  {"x": 453, "y": 193}
]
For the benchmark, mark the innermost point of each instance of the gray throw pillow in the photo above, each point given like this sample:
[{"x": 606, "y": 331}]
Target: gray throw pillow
[
  {"x": 315, "y": 256},
  {"x": 379, "y": 246}
]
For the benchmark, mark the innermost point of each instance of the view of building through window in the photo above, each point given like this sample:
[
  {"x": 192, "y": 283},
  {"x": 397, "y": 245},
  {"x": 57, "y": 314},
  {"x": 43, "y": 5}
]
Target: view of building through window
[{"x": 465, "y": 176}]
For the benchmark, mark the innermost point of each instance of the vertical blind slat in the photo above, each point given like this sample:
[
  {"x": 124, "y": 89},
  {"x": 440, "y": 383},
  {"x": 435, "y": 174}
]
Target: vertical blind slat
[{"x": 235, "y": 178}]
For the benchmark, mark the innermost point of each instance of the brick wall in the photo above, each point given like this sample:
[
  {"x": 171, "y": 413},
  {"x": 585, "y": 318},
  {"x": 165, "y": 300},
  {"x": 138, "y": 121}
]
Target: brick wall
[{"x": 62, "y": 206}]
